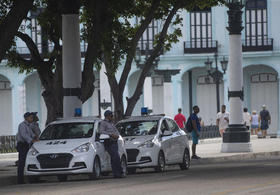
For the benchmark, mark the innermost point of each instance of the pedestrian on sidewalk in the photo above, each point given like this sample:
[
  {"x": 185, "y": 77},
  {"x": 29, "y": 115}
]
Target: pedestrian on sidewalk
[
  {"x": 180, "y": 119},
  {"x": 222, "y": 120},
  {"x": 254, "y": 123},
  {"x": 35, "y": 125},
  {"x": 265, "y": 121},
  {"x": 25, "y": 138},
  {"x": 246, "y": 118},
  {"x": 195, "y": 131},
  {"x": 111, "y": 145}
]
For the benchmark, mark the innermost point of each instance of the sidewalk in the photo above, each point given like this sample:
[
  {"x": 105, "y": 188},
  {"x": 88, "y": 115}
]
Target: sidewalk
[{"x": 210, "y": 151}]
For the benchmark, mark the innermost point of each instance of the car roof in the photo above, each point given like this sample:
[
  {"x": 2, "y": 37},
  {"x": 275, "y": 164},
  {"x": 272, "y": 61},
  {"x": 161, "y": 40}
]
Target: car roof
[
  {"x": 88, "y": 119},
  {"x": 143, "y": 118}
]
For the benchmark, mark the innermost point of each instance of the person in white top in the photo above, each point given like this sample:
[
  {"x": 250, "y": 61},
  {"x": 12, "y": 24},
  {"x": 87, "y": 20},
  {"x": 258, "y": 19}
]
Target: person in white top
[
  {"x": 222, "y": 120},
  {"x": 246, "y": 118},
  {"x": 254, "y": 122}
]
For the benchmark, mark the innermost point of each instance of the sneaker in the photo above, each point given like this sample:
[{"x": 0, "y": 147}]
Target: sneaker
[{"x": 196, "y": 157}]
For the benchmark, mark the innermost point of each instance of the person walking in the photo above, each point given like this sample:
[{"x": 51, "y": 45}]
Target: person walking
[
  {"x": 265, "y": 120},
  {"x": 111, "y": 145},
  {"x": 222, "y": 120},
  {"x": 25, "y": 137},
  {"x": 195, "y": 130},
  {"x": 246, "y": 118},
  {"x": 254, "y": 122},
  {"x": 35, "y": 125},
  {"x": 180, "y": 119}
]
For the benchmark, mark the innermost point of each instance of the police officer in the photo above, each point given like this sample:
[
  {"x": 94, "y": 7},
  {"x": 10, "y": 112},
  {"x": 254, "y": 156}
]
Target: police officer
[
  {"x": 35, "y": 125},
  {"x": 111, "y": 145},
  {"x": 25, "y": 138}
]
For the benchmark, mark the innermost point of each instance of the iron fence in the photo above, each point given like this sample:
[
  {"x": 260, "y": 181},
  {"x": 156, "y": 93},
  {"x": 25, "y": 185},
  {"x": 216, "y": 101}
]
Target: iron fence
[
  {"x": 208, "y": 132},
  {"x": 8, "y": 144}
]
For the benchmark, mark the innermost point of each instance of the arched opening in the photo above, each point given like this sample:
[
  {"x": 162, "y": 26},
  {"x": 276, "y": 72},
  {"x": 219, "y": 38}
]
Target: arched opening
[
  {"x": 34, "y": 99},
  {"x": 261, "y": 88},
  {"x": 6, "y": 118},
  {"x": 132, "y": 82},
  {"x": 202, "y": 93}
]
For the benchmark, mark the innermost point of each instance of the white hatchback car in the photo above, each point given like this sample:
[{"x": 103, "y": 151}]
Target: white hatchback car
[
  {"x": 154, "y": 141},
  {"x": 71, "y": 146}
]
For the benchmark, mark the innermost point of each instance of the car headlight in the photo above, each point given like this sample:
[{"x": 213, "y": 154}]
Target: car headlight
[
  {"x": 148, "y": 144},
  {"x": 82, "y": 148},
  {"x": 33, "y": 151}
]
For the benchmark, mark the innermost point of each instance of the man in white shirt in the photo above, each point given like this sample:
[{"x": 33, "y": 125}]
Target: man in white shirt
[
  {"x": 222, "y": 120},
  {"x": 246, "y": 118}
]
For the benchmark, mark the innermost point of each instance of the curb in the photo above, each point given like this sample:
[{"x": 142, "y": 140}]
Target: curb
[
  {"x": 239, "y": 157},
  {"x": 9, "y": 155}
]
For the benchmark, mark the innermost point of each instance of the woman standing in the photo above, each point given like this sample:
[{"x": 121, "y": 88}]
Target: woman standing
[{"x": 254, "y": 123}]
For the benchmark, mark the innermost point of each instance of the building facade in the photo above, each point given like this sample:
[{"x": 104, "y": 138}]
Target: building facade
[{"x": 181, "y": 79}]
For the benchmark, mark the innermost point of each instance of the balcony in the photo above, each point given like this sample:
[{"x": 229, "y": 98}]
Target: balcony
[
  {"x": 194, "y": 47},
  {"x": 265, "y": 44}
]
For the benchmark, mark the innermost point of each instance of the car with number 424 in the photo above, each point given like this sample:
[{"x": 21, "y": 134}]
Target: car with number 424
[
  {"x": 154, "y": 141},
  {"x": 71, "y": 146}
]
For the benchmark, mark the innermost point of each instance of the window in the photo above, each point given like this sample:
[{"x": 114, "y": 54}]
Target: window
[
  {"x": 137, "y": 128},
  {"x": 263, "y": 77},
  {"x": 256, "y": 23},
  {"x": 201, "y": 28},
  {"x": 163, "y": 126},
  {"x": 148, "y": 37},
  {"x": 172, "y": 125}
]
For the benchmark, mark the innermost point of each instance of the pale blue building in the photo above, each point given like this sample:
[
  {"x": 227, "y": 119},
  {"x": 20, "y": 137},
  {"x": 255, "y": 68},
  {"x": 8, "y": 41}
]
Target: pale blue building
[{"x": 185, "y": 81}]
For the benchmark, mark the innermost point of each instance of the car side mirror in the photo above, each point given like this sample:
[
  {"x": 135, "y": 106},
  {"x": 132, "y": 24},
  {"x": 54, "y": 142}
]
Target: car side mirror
[
  {"x": 104, "y": 136},
  {"x": 167, "y": 133}
]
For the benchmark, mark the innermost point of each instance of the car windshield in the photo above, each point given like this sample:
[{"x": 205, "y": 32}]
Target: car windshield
[
  {"x": 137, "y": 128},
  {"x": 67, "y": 131}
]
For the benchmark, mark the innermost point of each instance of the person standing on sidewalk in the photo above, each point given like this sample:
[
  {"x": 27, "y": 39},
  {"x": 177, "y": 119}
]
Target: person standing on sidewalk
[
  {"x": 180, "y": 119},
  {"x": 25, "y": 137},
  {"x": 222, "y": 120},
  {"x": 111, "y": 145},
  {"x": 254, "y": 123},
  {"x": 35, "y": 125},
  {"x": 265, "y": 121},
  {"x": 195, "y": 131},
  {"x": 246, "y": 118}
]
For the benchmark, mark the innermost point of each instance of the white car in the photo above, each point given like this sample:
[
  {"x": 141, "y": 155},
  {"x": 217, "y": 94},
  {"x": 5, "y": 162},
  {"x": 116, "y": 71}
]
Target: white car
[
  {"x": 154, "y": 141},
  {"x": 71, "y": 146}
]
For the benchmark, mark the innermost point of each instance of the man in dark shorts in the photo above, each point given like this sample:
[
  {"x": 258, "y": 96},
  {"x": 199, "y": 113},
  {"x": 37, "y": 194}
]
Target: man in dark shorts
[
  {"x": 265, "y": 121},
  {"x": 195, "y": 131}
]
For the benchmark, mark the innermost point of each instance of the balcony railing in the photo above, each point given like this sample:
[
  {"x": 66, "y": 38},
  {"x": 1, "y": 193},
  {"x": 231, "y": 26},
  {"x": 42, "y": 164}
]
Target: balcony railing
[
  {"x": 257, "y": 44},
  {"x": 199, "y": 46},
  {"x": 24, "y": 51}
]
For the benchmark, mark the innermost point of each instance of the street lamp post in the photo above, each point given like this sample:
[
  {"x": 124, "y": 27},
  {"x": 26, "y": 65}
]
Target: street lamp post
[
  {"x": 216, "y": 74},
  {"x": 236, "y": 137}
]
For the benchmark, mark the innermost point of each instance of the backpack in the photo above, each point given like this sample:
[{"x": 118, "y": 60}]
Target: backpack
[{"x": 189, "y": 127}]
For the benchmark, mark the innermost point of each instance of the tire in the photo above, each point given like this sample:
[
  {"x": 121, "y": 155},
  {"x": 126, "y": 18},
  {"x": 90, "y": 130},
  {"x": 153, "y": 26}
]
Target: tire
[
  {"x": 96, "y": 169},
  {"x": 161, "y": 162},
  {"x": 124, "y": 166},
  {"x": 186, "y": 160},
  {"x": 33, "y": 179},
  {"x": 131, "y": 170},
  {"x": 62, "y": 178}
]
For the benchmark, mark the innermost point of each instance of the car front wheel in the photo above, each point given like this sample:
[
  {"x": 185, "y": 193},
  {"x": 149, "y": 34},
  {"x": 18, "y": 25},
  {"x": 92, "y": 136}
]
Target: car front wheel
[
  {"x": 161, "y": 162},
  {"x": 186, "y": 160},
  {"x": 96, "y": 169}
]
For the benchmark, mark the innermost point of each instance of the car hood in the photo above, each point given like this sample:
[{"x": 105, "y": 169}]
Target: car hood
[
  {"x": 134, "y": 141},
  {"x": 58, "y": 146}
]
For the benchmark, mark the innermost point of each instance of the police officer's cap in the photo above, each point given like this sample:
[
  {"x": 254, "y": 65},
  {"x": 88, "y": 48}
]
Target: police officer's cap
[
  {"x": 108, "y": 113},
  {"x": 27, "y": 114},
  {"x": 33, "y": 113}
]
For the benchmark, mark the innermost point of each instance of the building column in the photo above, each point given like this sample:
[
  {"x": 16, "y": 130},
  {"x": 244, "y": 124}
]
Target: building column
[
  {"x": 168, "y": 90},
  {"x": 236, "y": 137},
  {"x": 278, "y": 132},
  {"x": 226, "y": 87},
  {"x": 71, "y": 59},
  {"x": 177, "y": 92},
  {"x": 148, "y": 93}
]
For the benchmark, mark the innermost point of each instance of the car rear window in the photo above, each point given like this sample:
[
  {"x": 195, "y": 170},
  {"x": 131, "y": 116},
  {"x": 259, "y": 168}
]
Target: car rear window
[
  {"x": 137, "y": 128},
  {"x": 67, "y": 131}
]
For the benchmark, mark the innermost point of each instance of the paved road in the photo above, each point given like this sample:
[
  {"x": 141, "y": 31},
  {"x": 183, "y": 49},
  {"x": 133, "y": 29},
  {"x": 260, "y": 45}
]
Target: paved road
[{"x": 257, "y": 177}]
